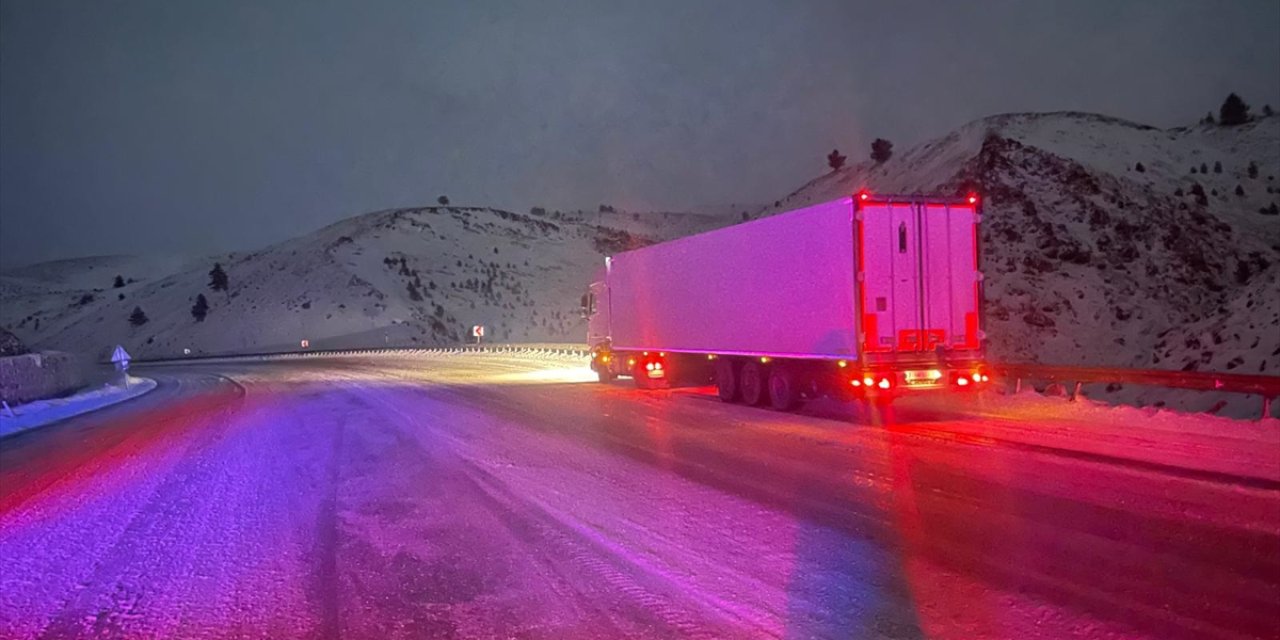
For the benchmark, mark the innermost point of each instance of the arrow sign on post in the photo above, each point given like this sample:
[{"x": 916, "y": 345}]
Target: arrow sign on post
[{"x": 120, "y": 358}]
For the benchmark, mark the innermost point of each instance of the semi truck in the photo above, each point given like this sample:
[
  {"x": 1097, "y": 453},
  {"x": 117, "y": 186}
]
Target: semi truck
[{"x": 868, "y": 297}]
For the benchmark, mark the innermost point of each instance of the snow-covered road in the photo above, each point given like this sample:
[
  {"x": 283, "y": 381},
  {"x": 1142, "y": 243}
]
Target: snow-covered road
[{"x": 497, "y": 496}]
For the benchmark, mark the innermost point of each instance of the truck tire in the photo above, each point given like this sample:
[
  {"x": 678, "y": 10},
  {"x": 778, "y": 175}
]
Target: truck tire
[
  {"x": 726, "y": 380},
  {"x": 751, "y": 383},
  {"x": 605, "y": 375},
  {"x": 784, "y": 393}
]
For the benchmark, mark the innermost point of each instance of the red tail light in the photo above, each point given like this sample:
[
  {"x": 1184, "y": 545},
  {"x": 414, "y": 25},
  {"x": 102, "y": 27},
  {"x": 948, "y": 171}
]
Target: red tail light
[{"x": 966, "y": 378}]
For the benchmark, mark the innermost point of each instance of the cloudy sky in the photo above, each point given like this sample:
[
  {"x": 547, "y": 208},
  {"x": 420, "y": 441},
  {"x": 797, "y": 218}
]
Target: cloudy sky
[{"x": 186, "y": 126}]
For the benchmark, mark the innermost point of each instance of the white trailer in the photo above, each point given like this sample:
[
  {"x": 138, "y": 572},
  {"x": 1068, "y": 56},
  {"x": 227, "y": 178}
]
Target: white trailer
[{"x": 867, "y": 295}]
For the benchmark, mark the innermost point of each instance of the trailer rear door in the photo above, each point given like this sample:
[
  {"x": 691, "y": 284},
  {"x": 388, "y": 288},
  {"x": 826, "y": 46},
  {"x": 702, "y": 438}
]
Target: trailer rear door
[{"x": 918, "y": 271}]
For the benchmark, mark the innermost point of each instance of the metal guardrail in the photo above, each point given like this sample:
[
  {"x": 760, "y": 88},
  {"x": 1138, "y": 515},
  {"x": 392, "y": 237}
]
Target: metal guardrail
[
  {"x": 545, "y": 349},
  {"x": 1266, "y": 386}
]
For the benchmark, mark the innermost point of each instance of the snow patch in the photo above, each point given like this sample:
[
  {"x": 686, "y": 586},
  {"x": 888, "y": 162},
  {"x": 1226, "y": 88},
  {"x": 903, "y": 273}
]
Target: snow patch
[{"x": 45, "y": 412}]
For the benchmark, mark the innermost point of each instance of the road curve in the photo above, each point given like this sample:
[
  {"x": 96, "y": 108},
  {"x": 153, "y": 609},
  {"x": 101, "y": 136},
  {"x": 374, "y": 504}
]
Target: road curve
[{"x": 505, "y": 497}]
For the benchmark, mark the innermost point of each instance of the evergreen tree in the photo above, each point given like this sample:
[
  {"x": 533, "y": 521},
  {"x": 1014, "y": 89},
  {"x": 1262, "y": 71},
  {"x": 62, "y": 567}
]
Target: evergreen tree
[
  {"x": 881, "y": 150},
  {"x": 413, "y": 293},
  {"x": 443, "y": 200},
  {"x": 1234, "y": 111},
  {"x": 1266, "y": 110},
  {"x": 1198, "y": 192},
  {"x": 1208, "y": 119},
  {"x": 1239, "y": 190},
  {"x": 835, "y": 160},
  {"x": 138, "y": 317},
  {"x": 1139, "y": 168},
  {"x": 200, "y": 309},
  {"x": 1217, "y": 166},
  {"x": 1253, "y": 169},
  {"x": 119, "y": 282},
  {"x": 218, "y": 280},
  {"x": 1204, "y": 168}
]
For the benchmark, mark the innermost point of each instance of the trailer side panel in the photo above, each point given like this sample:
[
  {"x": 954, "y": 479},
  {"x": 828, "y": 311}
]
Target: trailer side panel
[{"x": 781, "y": 286}]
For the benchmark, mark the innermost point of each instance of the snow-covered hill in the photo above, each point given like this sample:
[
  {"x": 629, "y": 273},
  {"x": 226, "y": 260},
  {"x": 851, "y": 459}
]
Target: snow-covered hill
[
  {"x": 399, "y": 277},
  {"x": 1092, "y": 259},
  {"x": 1105, "y": 243}
]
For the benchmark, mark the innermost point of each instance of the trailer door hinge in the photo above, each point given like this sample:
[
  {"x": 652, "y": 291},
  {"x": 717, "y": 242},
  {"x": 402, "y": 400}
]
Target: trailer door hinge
[{"x": 862, "y": 276}]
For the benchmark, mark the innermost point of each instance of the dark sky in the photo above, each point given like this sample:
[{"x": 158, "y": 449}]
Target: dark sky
[{"x": 185, "y": 126}]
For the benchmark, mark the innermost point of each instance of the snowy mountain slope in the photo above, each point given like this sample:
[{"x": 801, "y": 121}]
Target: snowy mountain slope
[
  {"x": 99, "y": 272},
  {"x": 399, "y": 277},
  {"x": 1091, "y": 260},
  {"x": 33, "y": 296},
  {"x": 1105, "y": 243}
]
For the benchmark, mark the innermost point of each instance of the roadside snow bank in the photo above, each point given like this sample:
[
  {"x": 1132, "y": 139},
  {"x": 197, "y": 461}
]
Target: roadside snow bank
[{"x": 44, "y": 412}]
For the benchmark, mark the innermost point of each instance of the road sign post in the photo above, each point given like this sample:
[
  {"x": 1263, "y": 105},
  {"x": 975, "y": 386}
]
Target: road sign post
[
  {"x": 477, "y": 332},
  {"x": 120, "y": 358}
]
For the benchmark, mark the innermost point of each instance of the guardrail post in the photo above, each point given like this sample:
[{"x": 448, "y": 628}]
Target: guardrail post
[
  {"x": 1076, "y": 392},
  {"x": 1266, "y": 407},
  {"x": 1017, "y": 386}
]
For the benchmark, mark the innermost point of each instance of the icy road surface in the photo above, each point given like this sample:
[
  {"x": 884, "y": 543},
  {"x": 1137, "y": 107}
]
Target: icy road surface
[{"x": 507, "y": 497}]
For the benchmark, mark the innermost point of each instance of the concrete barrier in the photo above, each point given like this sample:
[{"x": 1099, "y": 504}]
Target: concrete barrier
[{"x": 34, "y": 376}]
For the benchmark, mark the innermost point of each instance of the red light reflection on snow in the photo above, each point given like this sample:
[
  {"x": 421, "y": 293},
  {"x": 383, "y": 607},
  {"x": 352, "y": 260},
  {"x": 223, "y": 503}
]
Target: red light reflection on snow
[{"x": 45, "y": 477}]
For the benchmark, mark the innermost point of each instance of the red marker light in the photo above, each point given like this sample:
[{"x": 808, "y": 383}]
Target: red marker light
[
  {"x": 973, "y": 199},
  {"x": 864, "y": 195}
]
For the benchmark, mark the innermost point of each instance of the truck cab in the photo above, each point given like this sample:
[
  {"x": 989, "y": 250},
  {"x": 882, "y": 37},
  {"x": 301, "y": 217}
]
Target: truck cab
[{"x": 595, "y": 308}]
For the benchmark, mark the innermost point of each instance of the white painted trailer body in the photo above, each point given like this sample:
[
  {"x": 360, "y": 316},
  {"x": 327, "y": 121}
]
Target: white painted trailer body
[
  {"x": 782, "y": 285},
  {"x": 875, "y": 279}
]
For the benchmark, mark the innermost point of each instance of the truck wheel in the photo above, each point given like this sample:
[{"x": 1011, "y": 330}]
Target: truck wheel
[
  {"x": 605, "y": 375},
  {"x": 751, "y": 383},
  {"x": 726, "y": 380},
  {"x": 783, "y": 392}
]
